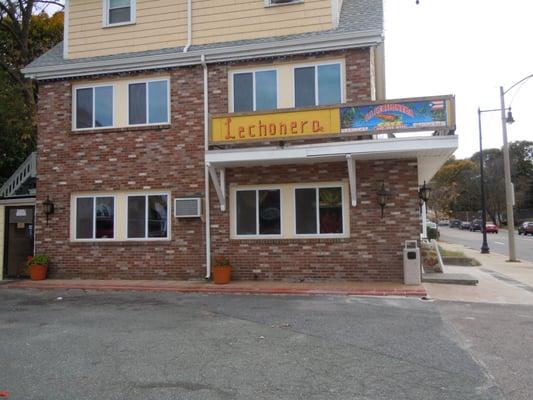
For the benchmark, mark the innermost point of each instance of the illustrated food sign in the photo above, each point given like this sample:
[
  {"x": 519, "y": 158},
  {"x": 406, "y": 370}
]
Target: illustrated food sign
[
  {"x": 417, "y": 115},
  {"x": 235, "y": 128}
]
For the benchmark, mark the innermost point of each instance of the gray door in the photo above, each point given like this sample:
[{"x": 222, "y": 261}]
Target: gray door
[{"x": 18, "y": 240}]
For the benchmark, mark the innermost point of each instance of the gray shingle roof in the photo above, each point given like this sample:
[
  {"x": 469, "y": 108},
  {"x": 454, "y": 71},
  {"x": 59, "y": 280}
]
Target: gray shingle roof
[{"x": 357, "y": 16}]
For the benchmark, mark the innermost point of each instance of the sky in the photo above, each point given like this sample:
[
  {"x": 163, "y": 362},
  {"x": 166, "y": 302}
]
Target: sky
[{"x": 468, "y": 48}]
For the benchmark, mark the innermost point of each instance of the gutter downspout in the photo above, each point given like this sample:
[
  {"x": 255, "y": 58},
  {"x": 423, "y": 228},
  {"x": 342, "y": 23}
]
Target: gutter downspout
[
  {"x": 206, "y": 173},
  {"x": 189, "y": 27}
]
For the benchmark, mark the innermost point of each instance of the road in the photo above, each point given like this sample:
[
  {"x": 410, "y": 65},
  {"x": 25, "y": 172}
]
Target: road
[
  {"x": 497, "y": 242},
  {"x": 86, "y": 345}
]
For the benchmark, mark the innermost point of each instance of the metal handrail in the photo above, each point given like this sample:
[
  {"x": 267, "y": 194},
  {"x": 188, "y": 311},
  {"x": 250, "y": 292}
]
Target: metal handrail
[{"x": 28, "y": 169}]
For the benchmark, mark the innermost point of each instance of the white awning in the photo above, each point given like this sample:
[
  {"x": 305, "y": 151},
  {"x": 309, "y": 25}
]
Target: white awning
[{"x": 431, "y": 152}]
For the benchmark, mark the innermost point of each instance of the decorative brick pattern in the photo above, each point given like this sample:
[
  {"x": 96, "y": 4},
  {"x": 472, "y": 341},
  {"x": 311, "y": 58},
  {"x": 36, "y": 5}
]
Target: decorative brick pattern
[{"x": 170, "y": 157}]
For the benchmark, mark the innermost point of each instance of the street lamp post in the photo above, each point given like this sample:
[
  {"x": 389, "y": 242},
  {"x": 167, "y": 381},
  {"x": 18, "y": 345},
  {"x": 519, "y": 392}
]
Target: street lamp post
[
  {"x": 484, "y": 245},
  {"x": 509, "y": 195}
]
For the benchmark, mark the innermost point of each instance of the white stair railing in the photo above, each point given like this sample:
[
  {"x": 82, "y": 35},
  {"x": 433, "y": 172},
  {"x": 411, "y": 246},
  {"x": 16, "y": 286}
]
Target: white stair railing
[{"x": 28, "y": 169}]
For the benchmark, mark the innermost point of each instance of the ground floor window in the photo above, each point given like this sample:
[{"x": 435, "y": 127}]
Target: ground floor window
[
  {"x": 120, "y": 216},
  {"x": 95, "y": 217},
  {"x": 148, "y": 216},
  {"x": 290, "y": 211},
  {"x": 258, "y": 212},
  {"x": 318, "y": 210}
]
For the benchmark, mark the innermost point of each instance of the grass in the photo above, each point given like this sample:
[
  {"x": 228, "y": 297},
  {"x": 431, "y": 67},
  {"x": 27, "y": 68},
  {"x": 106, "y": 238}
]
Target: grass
[{"x": 450, "y": 253}]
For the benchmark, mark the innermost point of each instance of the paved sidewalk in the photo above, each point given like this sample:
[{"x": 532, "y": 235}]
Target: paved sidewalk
[
  {"x": 238, "y": 287},
  {"x": 499, "y": 281}
]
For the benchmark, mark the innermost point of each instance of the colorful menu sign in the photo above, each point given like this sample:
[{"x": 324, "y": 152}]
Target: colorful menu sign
[{"x": 400, "y": 116}]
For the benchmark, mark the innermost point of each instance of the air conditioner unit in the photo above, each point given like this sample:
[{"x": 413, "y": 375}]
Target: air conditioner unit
[{"x": 190, "y": 207}]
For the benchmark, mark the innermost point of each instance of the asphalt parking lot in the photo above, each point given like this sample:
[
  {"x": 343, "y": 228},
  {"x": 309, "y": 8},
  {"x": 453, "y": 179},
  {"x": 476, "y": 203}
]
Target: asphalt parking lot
[{"x": 95, "y": 345}]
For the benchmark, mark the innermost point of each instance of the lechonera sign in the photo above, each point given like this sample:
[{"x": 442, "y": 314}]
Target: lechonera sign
[{"x": 391, "y": 116}]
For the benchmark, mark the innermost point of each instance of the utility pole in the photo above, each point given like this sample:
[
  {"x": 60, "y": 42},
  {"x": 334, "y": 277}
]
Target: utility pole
[{"x": 509, "y": 195}]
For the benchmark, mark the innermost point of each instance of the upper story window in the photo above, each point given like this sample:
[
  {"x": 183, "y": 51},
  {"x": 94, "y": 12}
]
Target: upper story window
[
  {"x": 281, "y": 2},
  {"x": 148, "y": 102},
  {"x": 255, "y": 90},
  {"x": 94, "y": 107},
  {"x": 119, "y": 12},
  {"x": 317, "y": 85}
]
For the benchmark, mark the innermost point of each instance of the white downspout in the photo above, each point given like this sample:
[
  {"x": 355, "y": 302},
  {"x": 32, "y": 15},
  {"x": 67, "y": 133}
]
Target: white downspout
[
  {"x": 206, "y": 174},
  {"x": 189, "y": 26}
]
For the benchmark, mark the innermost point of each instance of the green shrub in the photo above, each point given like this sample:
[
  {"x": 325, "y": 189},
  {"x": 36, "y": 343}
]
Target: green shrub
[
  {"x": 433, "y": 233},
  {"x": 39, "y": 260}
]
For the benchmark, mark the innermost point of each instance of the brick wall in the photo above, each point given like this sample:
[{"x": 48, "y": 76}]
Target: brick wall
[
  {"x": 373, "y": 252},
  {"x": 170, "y": 157}
]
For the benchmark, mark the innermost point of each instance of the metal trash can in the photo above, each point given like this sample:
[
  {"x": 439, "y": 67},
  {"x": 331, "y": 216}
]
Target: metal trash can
[{"x": 411, "y": 263}]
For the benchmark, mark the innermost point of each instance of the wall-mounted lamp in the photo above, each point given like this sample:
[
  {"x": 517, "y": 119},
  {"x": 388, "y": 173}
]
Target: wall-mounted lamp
[
  {"x": 424, "y": 192},
  {"x": 383, "y": 195},
  {"x": 48, "y": 208}
]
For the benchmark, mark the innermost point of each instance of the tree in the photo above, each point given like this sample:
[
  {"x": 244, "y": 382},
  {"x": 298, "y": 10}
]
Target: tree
[{"x": 26, "y": 32}]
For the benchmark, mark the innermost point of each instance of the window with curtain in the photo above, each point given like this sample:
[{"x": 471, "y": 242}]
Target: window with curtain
[{"x": 119, "y": 11}]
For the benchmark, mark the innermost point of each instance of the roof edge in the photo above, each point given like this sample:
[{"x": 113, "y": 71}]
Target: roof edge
[{"x": 334, "y": 41}]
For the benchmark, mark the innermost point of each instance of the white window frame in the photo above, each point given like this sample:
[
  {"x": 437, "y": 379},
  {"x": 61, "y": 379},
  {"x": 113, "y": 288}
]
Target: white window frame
[
  {"x": 147, "y": 81},
  {"x": 133, "y": 15},
  {"x": 258, "y": 235},
  {"x": 94, "y": 238},
  {"x": 75, "y": 106},
  {"x": 253, "y": 72},
  {"x": 316, "y": 65},
  {"x": 317, "y": 187},
  {"x": 268, "y": 3},
  {"x": 169, "y": 211}
]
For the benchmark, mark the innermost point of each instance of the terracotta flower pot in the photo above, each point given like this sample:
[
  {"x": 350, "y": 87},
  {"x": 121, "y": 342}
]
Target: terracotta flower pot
[
  {"x": 222, "y": 275},
  {"x": 38, "y": 272}
]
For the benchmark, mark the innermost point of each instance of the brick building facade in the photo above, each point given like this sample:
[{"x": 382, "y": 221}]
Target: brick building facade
[{"x": 120, "y": 162}]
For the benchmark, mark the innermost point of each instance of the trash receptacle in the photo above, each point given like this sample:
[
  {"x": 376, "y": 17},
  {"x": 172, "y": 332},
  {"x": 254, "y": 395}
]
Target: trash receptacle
[{"x": 411, "y": 263}]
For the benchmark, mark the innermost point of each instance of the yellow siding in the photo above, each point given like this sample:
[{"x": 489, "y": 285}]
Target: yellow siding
[
  {"x": 163, "y": 23},
  {"x": 159, "y": 24},
  {"x": 2, "y": 237}
]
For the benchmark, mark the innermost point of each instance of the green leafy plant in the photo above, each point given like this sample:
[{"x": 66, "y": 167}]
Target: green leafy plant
[
  {"x": 38, "y": 260},
  {"x": 221, "y": 261}
]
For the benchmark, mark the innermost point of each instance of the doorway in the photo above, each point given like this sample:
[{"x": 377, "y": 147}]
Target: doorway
[{"x": 19, "y": 234}]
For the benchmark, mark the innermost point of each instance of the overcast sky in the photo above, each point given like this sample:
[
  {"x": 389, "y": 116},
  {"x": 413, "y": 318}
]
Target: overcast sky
[{"x": 467, "y": 48}]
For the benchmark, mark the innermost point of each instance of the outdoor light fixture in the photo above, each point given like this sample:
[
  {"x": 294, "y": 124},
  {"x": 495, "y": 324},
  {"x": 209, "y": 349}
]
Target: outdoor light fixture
[
  {"x": 382, "y": 197},
  {"x": 510, "y": 118},
  {"x": 424, "y": 192},
  {"x": 48, "y": 207}
]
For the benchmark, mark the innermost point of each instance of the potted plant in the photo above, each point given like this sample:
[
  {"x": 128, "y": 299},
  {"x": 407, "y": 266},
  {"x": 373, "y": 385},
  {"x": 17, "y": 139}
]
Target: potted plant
[
  {"x": 38, "y": 267},
  {"x": 221, "y": 270}
]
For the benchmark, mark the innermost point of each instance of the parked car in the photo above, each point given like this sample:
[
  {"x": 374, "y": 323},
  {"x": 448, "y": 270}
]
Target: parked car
[
  {"x": 444, "y": 222},
  {"x": 465, "y": 225},
  {"x": 475, "y": 225},
  {"x": 431, "y": 225},
  {"x": 455, "y": 223},
  {"x": 491, "y": 228},
  {"x": 526, "y": 228}
]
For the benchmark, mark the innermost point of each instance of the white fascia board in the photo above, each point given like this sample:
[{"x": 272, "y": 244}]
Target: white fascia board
[
  {"x": 438, "y": 146},
  {"x": 283, "y": 47},
  {"x": 17, "y": 201}
]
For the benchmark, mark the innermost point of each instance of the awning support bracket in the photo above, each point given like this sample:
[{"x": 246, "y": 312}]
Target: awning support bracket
[
  {"x": 353, "y": 178},
  {"x": 219, "y": 182}
]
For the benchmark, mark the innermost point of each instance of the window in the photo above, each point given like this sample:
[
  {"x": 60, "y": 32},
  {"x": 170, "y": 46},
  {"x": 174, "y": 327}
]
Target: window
[
  {"x": 94, "y": 107},
  {"x": 120, "y": 12},
  {"x": 279, "y": 2},
  {"x": 254, "y": 91},
  {"x": 317, "y": 85},
  {"x": 258, "y": 212},
  {"x": 148, "y": 216},
  {"x": 95, "y": 217},
  {"x": 319, "y": 211},
  {"x": 149, "y": 102}
]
